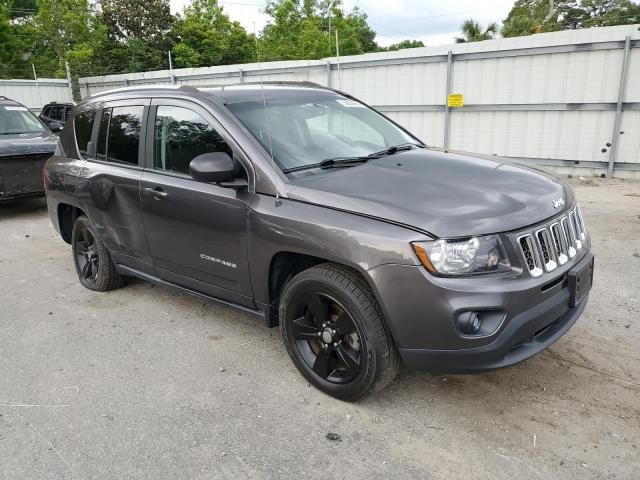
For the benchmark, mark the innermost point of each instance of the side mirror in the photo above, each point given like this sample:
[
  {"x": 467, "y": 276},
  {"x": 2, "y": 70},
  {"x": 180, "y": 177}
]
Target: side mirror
[
  {"x": 55, "y": 127},
  {"x": 214, "y": 167}
]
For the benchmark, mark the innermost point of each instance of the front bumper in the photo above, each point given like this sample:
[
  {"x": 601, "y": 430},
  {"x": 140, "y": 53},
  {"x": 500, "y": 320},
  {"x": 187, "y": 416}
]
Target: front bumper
[
  {"x": 525, "y": 336},
  {"x": 21, "y": 177},
  {"x": 422, "y": 312}
]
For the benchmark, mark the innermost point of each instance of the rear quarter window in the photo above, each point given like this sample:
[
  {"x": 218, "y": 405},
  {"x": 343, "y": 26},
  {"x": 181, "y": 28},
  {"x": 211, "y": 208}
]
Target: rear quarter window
[{"x": 83, "y": 126}]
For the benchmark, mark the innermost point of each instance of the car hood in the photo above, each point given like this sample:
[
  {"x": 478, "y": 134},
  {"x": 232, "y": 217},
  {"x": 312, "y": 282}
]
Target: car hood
[
  {"x": 444, "y": 194},
  {"x": 27, "y": 144}
]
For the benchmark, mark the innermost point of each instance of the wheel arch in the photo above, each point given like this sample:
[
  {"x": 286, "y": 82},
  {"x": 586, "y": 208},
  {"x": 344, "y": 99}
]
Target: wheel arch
[
  {"x": 67, "y": 215},
  {"x": 285, "y": 265}
]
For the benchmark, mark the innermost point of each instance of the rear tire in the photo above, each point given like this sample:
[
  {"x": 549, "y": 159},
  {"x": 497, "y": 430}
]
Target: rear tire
[
  {"x": 91, "y": 258},
  {"x": 335, "y": 333}
]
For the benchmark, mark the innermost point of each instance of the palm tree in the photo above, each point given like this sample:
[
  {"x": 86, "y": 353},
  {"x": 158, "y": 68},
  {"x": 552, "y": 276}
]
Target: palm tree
[{"x": 473, "y": 32}]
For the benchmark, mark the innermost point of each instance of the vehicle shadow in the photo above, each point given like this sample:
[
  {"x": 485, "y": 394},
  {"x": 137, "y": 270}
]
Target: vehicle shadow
[
  {"x": 546, "y": 376},
  {"x": 26, "y": 207}
]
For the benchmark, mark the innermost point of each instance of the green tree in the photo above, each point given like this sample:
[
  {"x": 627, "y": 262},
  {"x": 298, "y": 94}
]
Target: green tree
[
  {"x": 8, "y": 51},
  {"x": 139, "y": 33},
  {"x": 305, "y": 29},
  {"x": 23, "y": 8},
  {"x": 473, "y": 32},
  {"x": 403, "y": 44},
  {"x": 367, "y": 36},
  {"x": 534, "y": 16},
  {"x": 206, "y": 36},
  {"x": 603, "y": 13},
  {"x": 296, "y": 31},
  {"x": 59, "y": 31},
  {"x": 527, "y": 17}
]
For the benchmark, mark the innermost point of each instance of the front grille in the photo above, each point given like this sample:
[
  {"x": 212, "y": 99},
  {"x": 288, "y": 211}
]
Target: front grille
[{"x": 553, "y": 245}]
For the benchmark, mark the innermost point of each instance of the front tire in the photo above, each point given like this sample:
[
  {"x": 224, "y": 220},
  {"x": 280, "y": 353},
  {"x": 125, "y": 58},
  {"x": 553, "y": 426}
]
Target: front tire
[
  {"x": 334, "y": 332},
  {"x": 96, "y": 271}
]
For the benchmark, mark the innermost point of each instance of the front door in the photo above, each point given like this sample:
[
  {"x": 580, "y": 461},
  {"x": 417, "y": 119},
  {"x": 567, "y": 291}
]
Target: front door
[{"x": 197, "y": 232}]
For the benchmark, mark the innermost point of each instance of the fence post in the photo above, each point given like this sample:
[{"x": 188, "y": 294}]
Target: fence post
[
  {"x": 66, "y": 67},
  {"x": 329, "y": 73},
  {"x": 447, "y": 110},
  {"x": 622, "y": 89},
  {"x": 241, "y": 72}
]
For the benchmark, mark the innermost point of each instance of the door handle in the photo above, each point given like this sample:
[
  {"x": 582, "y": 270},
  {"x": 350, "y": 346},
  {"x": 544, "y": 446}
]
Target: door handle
[{"x": 157, "y": 193}]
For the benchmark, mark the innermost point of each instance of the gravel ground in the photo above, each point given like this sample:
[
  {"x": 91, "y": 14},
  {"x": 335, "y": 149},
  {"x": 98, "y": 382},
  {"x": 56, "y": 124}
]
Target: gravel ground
[{"x": 144, "y": 382}]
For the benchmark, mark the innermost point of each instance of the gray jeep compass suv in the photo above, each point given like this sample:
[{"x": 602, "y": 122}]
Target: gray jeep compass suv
[{"x": 304, "y": 207}]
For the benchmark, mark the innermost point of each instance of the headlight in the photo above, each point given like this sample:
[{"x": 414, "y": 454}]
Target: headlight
[{"x": 462, "y": 257}]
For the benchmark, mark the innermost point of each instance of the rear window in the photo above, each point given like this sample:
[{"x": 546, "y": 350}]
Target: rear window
[
  {"x": 83, "y": 124},
  {"x": 119, "y": 134}
]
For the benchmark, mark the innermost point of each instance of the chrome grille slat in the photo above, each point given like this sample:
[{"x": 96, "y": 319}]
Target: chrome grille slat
[
  {"x": 547, "y": 249},
  {"x": 553, "y": 244},
  {"x": 568, "y": 231},
  {"x": 561, "y": 243},
  {"x": 583, "y": 231},
  {"x": 531, "y": 255},
  {"x": 573, "y": 223}
]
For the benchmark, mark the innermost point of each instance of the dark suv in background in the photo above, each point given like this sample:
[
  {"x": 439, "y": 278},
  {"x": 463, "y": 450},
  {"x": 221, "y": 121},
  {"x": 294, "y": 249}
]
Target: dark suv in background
[
  {"x": 25, "y": 144},
  {"x": 304, "y": 207},
  {"x": 54, "y": 115}
]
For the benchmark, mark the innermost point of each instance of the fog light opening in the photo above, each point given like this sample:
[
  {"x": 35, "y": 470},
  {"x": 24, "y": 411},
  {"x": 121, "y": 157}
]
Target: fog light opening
[{"x": 469, "y": 323}]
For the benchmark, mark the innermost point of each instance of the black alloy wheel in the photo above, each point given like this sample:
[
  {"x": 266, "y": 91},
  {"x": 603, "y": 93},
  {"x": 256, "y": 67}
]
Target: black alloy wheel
[
  {"x": 92, "y": 260},
  {"x": 327, "y": 338},
  {"x": 335, "y": 333},
  {"x": 86, "y": 256}
]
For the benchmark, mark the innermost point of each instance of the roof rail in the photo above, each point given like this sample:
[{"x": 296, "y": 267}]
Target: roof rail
[
  {"x": 134, "y": 88},
  {"x": 303, "y": 83}
]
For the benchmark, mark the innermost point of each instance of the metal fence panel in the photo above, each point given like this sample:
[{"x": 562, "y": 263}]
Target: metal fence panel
[
  {"x": 36, "y": 94},
  {"x": 549, "y": 98}
]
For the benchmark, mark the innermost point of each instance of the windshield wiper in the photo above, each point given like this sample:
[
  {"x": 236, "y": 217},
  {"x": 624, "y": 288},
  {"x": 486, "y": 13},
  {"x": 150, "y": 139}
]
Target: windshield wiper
[
  {"x": 344, "y": 162},
  {"x": 396, "y": 148},
  {"x": 336, "y": 162}
]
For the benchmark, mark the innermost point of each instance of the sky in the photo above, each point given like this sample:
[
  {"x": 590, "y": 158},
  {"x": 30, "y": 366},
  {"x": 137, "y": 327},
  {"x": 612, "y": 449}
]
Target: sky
[{"x": 433, "y": 22}]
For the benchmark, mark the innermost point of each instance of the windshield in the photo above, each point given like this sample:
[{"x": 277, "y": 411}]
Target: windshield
[
  {"x": 18, "y": 119},
  {"x": 309, "y": 128}
]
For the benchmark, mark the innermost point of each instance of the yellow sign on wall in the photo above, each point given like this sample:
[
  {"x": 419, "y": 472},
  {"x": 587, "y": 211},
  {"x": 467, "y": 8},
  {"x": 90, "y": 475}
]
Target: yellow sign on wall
[{"x": 455, "y": 100}]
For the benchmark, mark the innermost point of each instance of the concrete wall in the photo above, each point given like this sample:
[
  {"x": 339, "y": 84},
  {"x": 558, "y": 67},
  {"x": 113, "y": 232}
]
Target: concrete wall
[{"x": 550, "y": 98}]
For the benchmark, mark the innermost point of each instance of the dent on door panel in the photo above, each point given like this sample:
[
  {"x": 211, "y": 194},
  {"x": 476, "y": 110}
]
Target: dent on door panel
[{"x": 111, "y": 198}]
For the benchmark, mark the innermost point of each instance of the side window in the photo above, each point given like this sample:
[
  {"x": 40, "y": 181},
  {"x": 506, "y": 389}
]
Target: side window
[
  {"x": 124, "y": 135},
  {"x": 67, "y": 112},
  {"x": 119, "y": 134},
  {"x": 83, "y": 125},
  {"x": 180, "y": 135},
  {"x": 45, "y": 111}
]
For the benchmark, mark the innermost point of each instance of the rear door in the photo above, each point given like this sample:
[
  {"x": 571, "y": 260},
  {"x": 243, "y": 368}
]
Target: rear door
[
  {"x": 109, "y": 183},
  {"x": 197, "y": 232}
]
